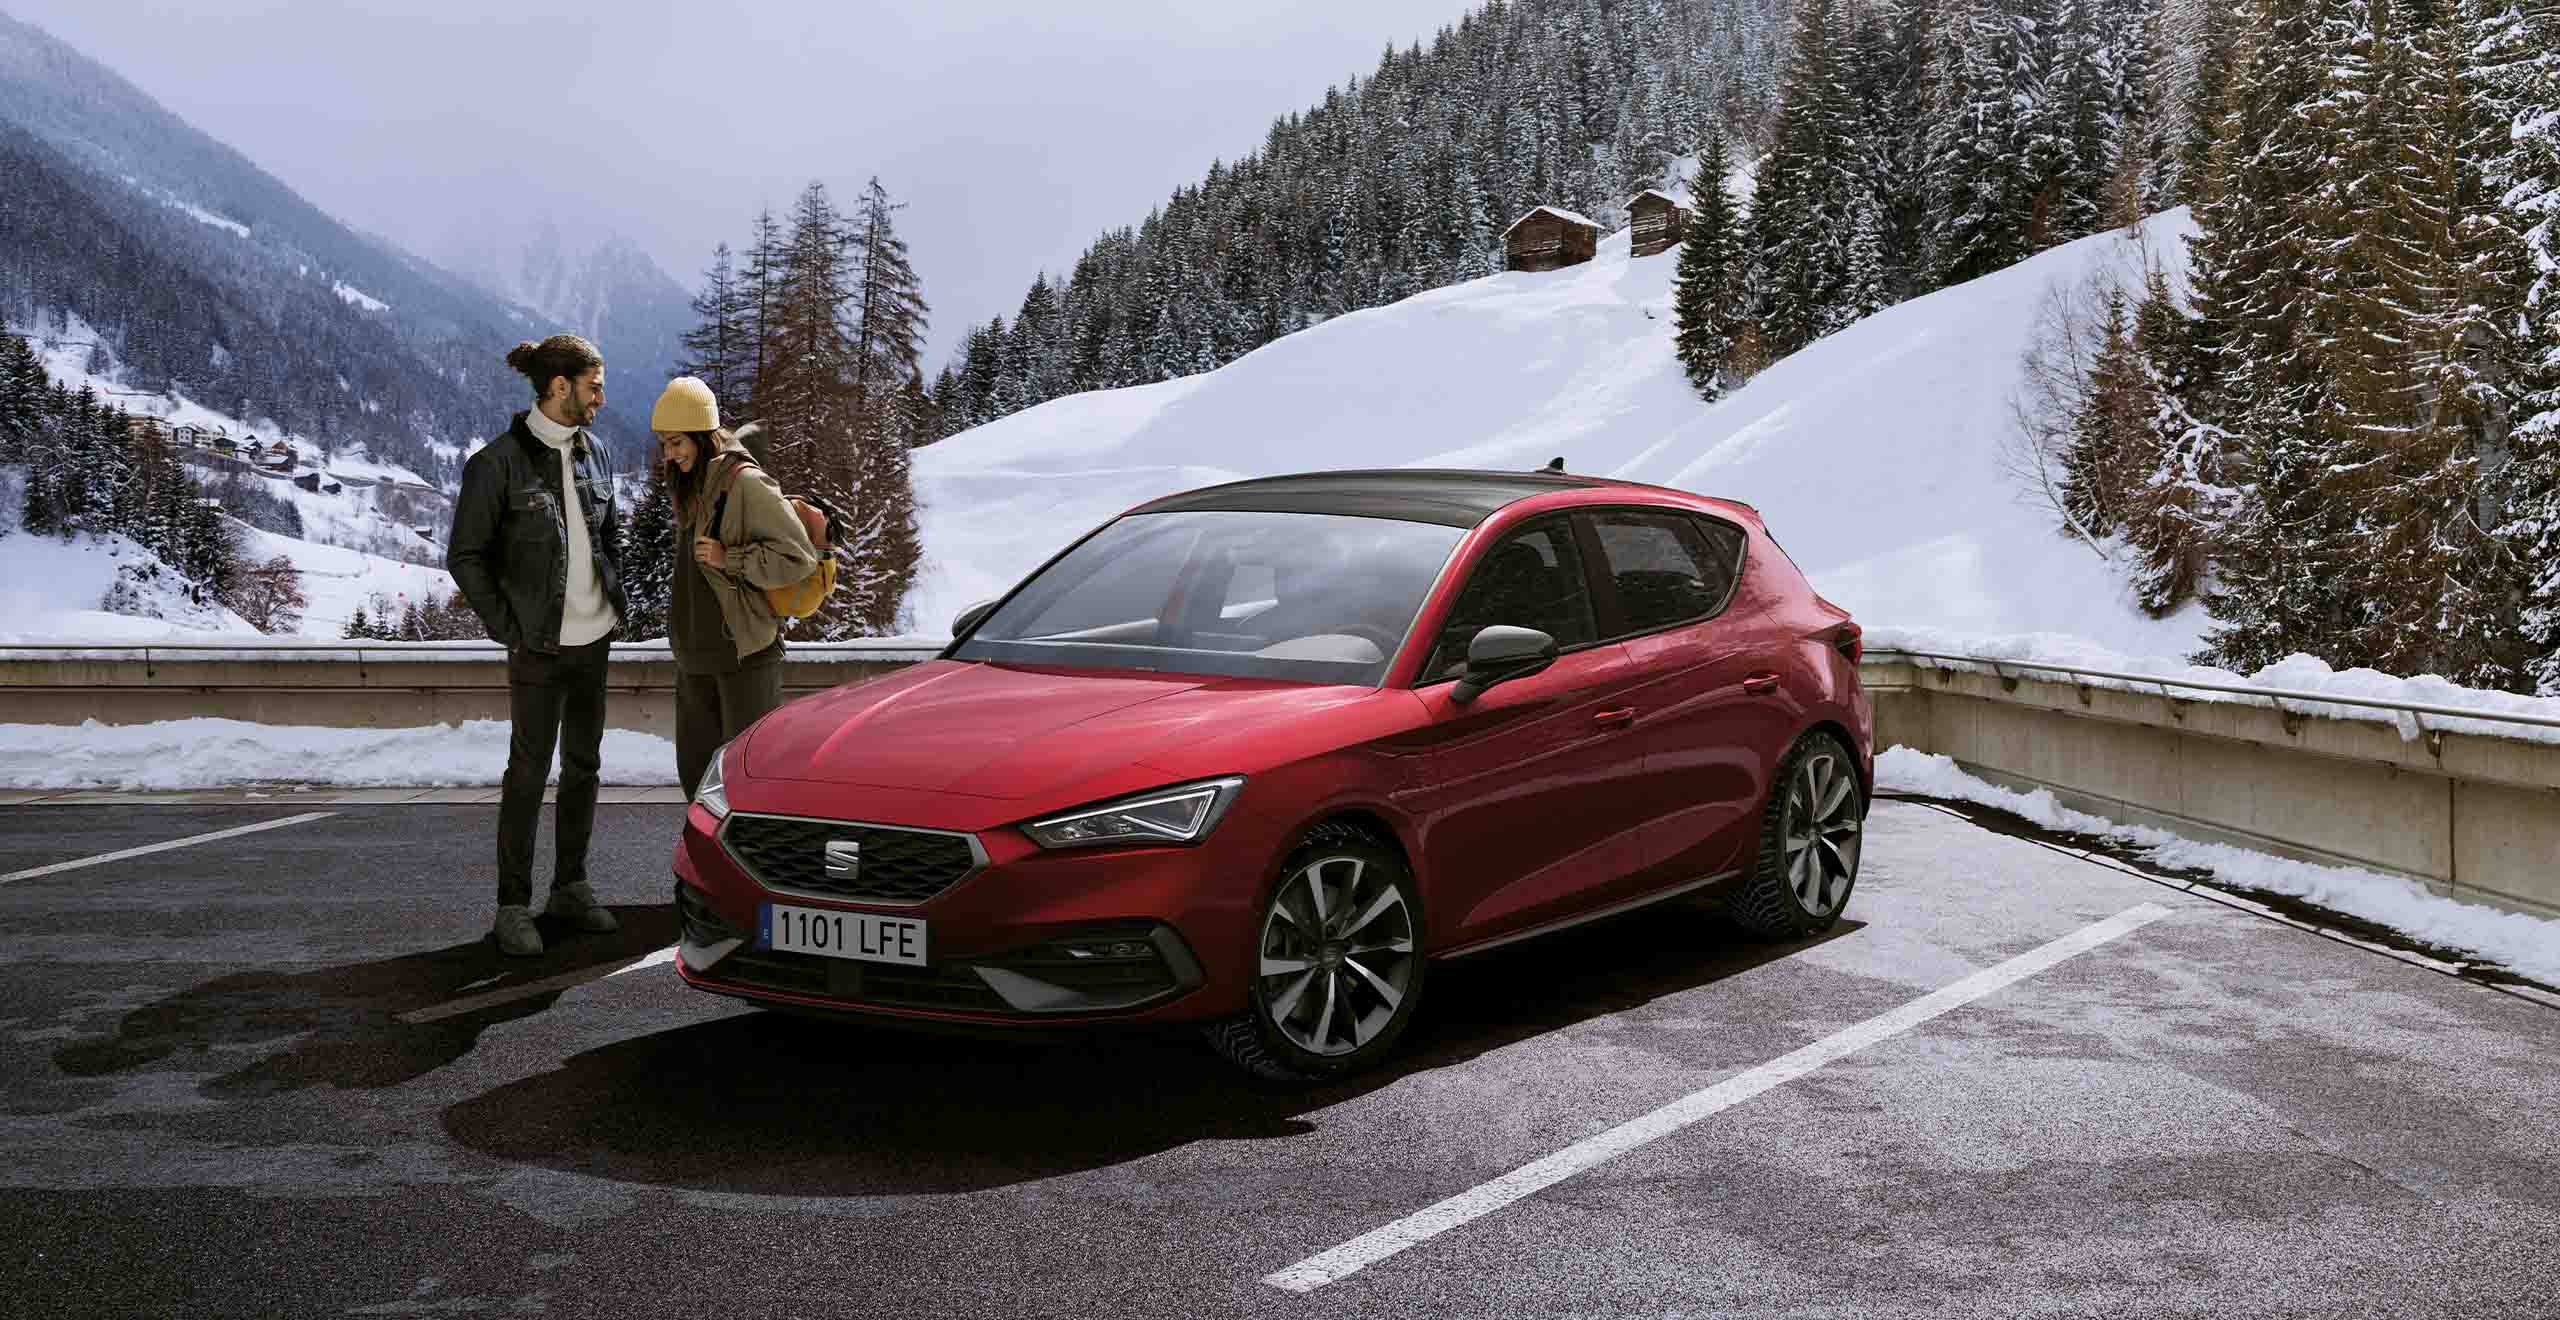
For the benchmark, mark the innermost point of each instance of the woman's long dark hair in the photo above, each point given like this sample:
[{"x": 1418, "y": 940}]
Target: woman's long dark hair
[{"x": 686, "y": 488}]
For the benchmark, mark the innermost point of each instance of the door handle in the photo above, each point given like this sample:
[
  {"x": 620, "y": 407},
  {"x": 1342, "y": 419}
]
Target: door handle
[
  {"x": 1760, "y": 683},
  {"x": 1619, "y": 718}
]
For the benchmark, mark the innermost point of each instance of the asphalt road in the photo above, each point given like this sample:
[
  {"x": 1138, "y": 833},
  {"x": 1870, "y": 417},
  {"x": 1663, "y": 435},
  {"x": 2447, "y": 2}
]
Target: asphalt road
[{"x": 283, "y": 1073}]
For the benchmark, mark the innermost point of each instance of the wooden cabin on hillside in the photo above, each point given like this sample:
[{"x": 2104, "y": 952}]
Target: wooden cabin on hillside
[
  {"x": 1549, "y": 238},
  {"x": 1659, "y": 222}
]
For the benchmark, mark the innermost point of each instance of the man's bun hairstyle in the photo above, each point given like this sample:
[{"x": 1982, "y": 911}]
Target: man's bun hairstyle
[{"x": 560, "y": 355}]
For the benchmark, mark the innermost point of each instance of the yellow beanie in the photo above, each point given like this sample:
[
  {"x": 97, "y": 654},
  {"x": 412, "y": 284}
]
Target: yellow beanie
[{"x": 687, "y": 405}]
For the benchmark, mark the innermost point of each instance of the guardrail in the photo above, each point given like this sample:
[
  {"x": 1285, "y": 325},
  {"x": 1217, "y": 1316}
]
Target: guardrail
[
  {"x": 2465, "y": 800},
  {"x": 362, "y": 684}
]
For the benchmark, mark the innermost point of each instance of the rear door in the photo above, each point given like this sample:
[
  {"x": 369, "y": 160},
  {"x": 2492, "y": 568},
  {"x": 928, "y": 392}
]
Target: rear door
[
  {"x": 1705, "y": 688},
  {"x": 1526, "y": 797}
]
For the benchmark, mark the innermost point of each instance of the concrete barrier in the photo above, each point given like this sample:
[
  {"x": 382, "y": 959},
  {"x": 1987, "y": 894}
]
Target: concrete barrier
[
  {"x": 363, "y": 686},
  {"x": 2470, "y": 815}
]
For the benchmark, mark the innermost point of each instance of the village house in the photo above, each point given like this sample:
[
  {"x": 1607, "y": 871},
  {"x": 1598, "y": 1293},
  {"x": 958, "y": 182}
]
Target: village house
[
  {"x": 1549, "y": 238},
  {"x": 1658, "y": 222}
]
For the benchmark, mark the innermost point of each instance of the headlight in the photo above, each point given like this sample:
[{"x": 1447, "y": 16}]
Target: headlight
[
  {"x": 714, "y": 793},
  {"x": 1167, "y": 815}
]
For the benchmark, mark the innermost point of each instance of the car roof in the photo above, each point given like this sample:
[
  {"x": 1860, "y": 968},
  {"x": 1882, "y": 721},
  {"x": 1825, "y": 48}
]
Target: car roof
[{"x": 1453, "y": 497}]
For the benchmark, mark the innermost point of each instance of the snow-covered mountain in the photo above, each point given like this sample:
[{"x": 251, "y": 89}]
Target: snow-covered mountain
[
  {"x": 1876, "y": 454},
  {"x": 592, "y": 282}
]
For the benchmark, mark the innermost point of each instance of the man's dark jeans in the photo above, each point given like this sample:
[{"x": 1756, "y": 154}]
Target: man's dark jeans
[{"x": 557, "y": 700}]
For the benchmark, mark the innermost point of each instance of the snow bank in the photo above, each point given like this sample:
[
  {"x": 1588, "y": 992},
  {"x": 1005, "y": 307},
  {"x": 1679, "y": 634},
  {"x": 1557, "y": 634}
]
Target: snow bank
[
  {"x": 1876, "y": 454},
  {"x": 208, "y": 753},
  {"x": 2527, "y": 946}
]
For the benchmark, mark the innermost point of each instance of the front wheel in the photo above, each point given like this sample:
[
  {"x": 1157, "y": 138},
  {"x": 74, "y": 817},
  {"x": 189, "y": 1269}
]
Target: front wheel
[
  {"x": 1810, "y": 832},
  {"x": 1338, "y": 962}
]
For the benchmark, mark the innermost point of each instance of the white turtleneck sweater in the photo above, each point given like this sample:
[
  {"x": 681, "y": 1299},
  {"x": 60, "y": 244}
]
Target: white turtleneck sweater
[{"x": 585, "y": 615}]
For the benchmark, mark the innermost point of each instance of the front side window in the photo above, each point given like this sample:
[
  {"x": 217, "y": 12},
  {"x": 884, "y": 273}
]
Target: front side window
[
  {"x": 1666, "y": 569},
  {"x": 1325, "y": 598},
  {"x": 1532, "y": 579}
]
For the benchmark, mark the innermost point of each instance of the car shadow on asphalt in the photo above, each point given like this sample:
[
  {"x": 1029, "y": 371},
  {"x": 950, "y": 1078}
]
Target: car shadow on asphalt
[
  {"x": 348, "y": 1026},
  {"x": 771, "y": 1104}
]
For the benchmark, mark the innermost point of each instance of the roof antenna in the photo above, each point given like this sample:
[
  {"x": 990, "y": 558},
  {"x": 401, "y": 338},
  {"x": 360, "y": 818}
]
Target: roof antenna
[{"x": 1555, "y": 464}]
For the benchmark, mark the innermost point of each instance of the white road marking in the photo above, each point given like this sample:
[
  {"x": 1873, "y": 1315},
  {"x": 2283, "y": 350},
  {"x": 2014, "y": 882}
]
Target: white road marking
[
  {"x": 658, "y": 959},
  {"x": 526, "y": 990},
  {"x": 103, "y": 858},
  {"x": 1379, "y": 1243}
]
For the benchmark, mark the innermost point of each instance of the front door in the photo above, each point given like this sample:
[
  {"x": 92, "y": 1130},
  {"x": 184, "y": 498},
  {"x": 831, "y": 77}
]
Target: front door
[{"x": 1527, "y": 797}]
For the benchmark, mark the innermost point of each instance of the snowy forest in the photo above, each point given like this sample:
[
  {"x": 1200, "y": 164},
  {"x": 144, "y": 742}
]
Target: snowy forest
[
  {"x": 2344, "y": 439},
  {"x": 88, "y": 470},
  {"x": 1398, "y": 182},
  {"x": 816, "y": 329},
  {"x": 2337, "y": 437}
]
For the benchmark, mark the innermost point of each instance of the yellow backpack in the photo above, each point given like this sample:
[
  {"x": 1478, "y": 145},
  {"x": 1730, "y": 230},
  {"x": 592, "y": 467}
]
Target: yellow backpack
[{"x": 802, "y": 598}]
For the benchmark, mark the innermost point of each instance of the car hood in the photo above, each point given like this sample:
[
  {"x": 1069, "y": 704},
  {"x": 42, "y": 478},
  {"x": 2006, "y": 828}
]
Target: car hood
[{"x": 1004, "y": 731}]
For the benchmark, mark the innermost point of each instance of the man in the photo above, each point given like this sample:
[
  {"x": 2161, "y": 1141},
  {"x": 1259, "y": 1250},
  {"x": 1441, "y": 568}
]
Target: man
[{"x": 535, "y": 550}]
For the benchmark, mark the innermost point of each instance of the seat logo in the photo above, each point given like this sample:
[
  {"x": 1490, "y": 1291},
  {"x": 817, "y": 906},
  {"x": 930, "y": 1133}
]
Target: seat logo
[{"x": 844, "y": 859}]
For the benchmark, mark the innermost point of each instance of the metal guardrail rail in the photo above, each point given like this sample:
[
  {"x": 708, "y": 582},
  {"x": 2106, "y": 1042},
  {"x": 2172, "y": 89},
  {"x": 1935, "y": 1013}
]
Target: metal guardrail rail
[{"x": 2275, "y": 696}]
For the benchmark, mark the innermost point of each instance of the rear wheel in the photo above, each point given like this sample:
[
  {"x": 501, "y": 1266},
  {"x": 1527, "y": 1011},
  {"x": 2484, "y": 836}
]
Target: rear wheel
[
  {"x": 1810, "y": 832},
  {"x": 1338, "y": 964}
]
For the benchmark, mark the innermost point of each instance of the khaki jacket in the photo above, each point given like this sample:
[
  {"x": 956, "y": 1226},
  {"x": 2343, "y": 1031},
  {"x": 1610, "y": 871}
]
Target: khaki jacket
[{"x": 766, "y": 543}]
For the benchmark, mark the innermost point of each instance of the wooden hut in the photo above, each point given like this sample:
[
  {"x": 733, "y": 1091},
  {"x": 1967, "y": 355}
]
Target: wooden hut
[
  {"x": 1659, "y": 222},
  {"x": 1549, "y": 238}
]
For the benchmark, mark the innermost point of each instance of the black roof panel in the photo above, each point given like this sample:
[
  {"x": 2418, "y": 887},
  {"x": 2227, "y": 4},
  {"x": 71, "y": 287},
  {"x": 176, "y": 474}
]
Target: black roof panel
[{"x": 1453, "y": 497}]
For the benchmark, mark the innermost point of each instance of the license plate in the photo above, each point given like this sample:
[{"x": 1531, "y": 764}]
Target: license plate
[{"x": 858, "y": 936}]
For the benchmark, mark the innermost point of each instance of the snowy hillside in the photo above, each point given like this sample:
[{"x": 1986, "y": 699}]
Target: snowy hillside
[{"x": 1874, "y": 454}]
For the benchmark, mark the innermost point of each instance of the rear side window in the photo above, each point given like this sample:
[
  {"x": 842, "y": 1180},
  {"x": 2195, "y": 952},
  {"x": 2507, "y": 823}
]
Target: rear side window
[
  {"x": 1668, "y": 568},
  {"x": 1533, "y": 579}
]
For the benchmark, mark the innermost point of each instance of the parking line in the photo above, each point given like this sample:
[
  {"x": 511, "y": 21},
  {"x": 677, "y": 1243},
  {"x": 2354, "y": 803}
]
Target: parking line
[
  {"x": 1379, "y": 1243},
  {"x": 547, "y": 985},
  {"x": 190, "y": 840}
]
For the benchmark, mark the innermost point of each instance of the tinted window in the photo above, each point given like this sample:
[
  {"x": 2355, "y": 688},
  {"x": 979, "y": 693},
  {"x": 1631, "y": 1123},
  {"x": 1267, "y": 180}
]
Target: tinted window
[
  {"x": 1531, "y": 579},
  {"x": 1665, "y": 567},
  {"x": 1319, "y": 597}
]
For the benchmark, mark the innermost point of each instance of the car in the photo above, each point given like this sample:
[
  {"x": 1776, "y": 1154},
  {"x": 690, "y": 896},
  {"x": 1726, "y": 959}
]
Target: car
[{"x": 1254, "y": 757}]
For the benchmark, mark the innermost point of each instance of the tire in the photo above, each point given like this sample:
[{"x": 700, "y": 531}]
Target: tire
[
  {"x": 1811, "y": 830},
  {"x": 1306, "y": 945}
]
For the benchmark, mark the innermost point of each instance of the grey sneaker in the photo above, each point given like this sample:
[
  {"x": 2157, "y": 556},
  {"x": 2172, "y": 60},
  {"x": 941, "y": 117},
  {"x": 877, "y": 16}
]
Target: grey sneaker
[
  {"x": 577, "y": 905},
  {"x": 515, "y": 931}
]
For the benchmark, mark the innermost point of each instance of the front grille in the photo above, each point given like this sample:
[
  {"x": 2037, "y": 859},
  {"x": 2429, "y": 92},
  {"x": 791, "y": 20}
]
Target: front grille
[{"x": 902, "y": 867}]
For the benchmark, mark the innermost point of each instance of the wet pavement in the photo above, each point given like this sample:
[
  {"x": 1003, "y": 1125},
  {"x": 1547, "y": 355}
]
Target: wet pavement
[{"x": 283, "y": 1073}]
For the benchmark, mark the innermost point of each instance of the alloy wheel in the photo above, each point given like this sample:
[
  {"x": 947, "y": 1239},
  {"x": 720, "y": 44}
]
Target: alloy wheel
[
  {"x": 1822, "y": 832},
  {"x": 1337, "y": 954}
]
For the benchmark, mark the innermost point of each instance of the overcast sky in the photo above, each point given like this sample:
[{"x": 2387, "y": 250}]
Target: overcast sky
[{"x": 1016, "y": 130}]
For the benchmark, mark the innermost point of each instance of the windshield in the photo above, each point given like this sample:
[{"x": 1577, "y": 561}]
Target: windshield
[{"x": 1316, "y": 597}]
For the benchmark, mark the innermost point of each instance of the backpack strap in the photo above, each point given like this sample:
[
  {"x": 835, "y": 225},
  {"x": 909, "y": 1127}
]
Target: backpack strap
[{"x": 720, "y": 502}]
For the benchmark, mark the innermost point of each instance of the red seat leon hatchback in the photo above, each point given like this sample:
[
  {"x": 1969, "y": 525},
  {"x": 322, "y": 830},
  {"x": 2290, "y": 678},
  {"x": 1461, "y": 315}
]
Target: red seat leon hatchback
[{"x": 1255, "y": 756}]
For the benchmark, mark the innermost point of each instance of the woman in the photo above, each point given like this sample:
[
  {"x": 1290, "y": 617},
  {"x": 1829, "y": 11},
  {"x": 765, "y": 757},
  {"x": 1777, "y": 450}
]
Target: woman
[{"x": 735, "y": 536}]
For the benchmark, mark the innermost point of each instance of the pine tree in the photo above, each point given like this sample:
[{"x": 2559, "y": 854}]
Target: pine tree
[
  {"x": 650, "y": 557},
  {"x": 2279, "y": 583},
  {"x": 2518, "y": 48},
  {"x": 888, "y": 307},
  {"x": 1991, "y": 141},
  {"x": 1707, "y": 299},
  {"x": 720, "y": 348}
]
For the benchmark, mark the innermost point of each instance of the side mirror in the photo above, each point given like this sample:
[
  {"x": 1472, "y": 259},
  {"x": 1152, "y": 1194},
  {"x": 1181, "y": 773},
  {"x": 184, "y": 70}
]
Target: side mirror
[
  {"x": 969, "y": 618},
  {"x": 1499, "y": 654}
]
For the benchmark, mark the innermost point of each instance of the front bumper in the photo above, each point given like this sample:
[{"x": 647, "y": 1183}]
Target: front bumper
[{"x": 1027, "y": 937}]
